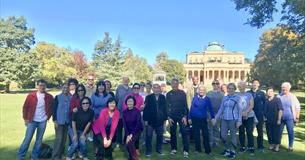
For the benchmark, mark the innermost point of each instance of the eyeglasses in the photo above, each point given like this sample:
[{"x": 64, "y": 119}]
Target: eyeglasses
[
  {"x": 136, "y": 88},
  {"x": 72, "y": 84},
  {"x": 90, "y": 79},
  {"x": 86, "y": 103},
  {"x": 215, "y": 83},
  {"x": 80, "y": 90}
]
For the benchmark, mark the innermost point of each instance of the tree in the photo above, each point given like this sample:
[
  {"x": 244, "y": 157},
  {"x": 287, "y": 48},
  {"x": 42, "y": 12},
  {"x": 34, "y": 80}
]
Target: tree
[
  {"x": 280, "y": 58},
  {"x": 17, "y": 62},
  {"x": 174, "y": 69},
  {"x": 81, "y": 66},
  {"x": 161, "y": 58}
]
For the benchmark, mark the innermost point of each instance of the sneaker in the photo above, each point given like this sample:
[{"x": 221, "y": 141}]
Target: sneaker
[
  {"x": 80, "y": 155},
  {"x": 232, "y": 155},
  {"x": 85, "y": 158},
  {"x": 148, "y": 154},
  {"x": 225, "y": 153},
  {"x": 261, "y": 150},
  {"x": 251, "y": 151},
  {"x": 243, "y": 149},
  {"x": 73, "y": 157},
  {"x": 90, "y": 139},
  {"x": 290, "y": 149},
  {"x": 173, "y": 152},
  {"x": 68, "y": 158},
  {"x": 185, "y": 154},
  {"x": 160, "y": 153}
]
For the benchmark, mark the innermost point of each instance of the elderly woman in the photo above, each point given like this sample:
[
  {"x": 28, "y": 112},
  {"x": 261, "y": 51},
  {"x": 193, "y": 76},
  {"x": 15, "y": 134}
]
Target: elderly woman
[
  {"x": 198, "y": 117},
  {"x": 230, "y": 112},
  {"x": 291, "y": 112},
  {"x": 100, "y": 98}
]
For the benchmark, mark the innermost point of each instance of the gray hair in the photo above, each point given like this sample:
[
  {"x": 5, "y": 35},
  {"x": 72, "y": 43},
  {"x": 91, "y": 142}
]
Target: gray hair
[
  {"x": 286, "y": 84},
  {"x": 201, "y": 86}
]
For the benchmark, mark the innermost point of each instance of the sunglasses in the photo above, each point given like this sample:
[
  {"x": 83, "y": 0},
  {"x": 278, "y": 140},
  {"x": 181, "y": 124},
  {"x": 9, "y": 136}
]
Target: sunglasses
[
  {"x": 72, "y": 84},
  {"x": 86, "y": 103},
  {"x": 80, "y": 90},
  {"x": 90, "y": 79},
  {"x": 215, "y": 83}
]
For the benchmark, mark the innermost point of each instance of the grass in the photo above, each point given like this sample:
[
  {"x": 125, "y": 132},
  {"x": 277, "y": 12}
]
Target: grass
[{"x": 12, "y": 132}]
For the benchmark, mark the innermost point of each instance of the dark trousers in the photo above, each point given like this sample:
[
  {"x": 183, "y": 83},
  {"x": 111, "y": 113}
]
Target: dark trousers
[
  {"x": 131, "y": 148},
  {"x": 247, "y": 126},
  {"x": 119, "y": 132},
  {"x": 60, "y": 141},
  {"x": 273, "y": 133},
  {"x": 102, "y": 152},
  {"x": 199, "y": 125},
  {"x": 260, "y": 131},
  {"x": 149, "y": 135},
  {"x": 137, "y": 142},
  {"x": 183, "y": 131}
]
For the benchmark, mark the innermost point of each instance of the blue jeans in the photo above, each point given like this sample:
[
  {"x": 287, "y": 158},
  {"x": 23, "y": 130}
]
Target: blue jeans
[
  {"x": 81, "y": 143},
  {"x": 289, "y": 126},
  {"x": 30, "y": 130}
]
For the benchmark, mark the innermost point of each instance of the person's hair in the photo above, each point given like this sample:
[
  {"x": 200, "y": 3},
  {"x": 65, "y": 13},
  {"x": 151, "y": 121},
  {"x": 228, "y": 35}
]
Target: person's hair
[
  {"x": 83, "y": 88},
  {"x": 101, "y": 83},
  {"x": 175, "y": 79},
  {"x": 133, "y": 98},
  {"x": 136, "y": 84},
  {"x": 287, "y": 84},
  {"x": 215, "y": 81},
  {"x": 75, "y": 81},
  {"x": 255, "y": 79},
  {"x": 41, "y": 81},
  {"x": 268, "y": 88},
  {"x": 112, "y": 100},
  {"x": 222, "y": 86},
  {"x": 148, "y": 84},
  {"x": 232, "y": 84},
  {"x": 85, "y": 98},
  {"x": 201, "y": 86},
  {"x": 108, "y": 82}
]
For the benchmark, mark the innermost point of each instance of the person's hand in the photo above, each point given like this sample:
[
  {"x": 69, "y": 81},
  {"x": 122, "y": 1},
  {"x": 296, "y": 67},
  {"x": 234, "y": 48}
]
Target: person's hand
[
  {"x": 26, "y": 122},
  {"x": 55, "y": 124},
  {"x": 238, "y": 124},
  {"x": 190, "y": 122},
  {"x": 213, "y": 122},
  {"x": 128, "y": 139},
  {"x": 74, "y": 110},
  {"x": 184, "y": 121},
  {"x": 278, "y": 122},
  {"x": 83, "y": 137},
  {"x": 142, "y": 107},
  {"x": 74, "y": 138},
  {"x": 170, "y": 121},
  {"x": 245, "y": 115},
  {"x": 145, "y": 123}
]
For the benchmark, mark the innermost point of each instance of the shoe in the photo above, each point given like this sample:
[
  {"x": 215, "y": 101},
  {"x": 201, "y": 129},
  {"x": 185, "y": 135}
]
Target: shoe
[
  {"x": 251, "y": 151},
  {"x": 173, "y": 152},
  {"x": 232, "y": 155},
  {"x": 242, "y": 149},
  {"x": 185, "y": 154},
  {"x": 73, "y": 157},
  {"x": 138, "y": 152},
  {"x": 160, "y": 153},
  {"x": 68, "y": 158},
  {"x": 85, "y": 158},
  {"x": 80, "y": 155},
  {"x": 290, "y": 149},
  {"x": 148, "y": 154},
  {"x": 225, "y": 153},
  {"x": 262, "y": 150}
]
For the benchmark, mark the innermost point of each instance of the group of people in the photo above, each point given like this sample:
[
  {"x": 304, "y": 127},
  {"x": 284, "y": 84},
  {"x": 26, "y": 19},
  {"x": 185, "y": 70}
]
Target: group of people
[{"x": 93, "y": 112}]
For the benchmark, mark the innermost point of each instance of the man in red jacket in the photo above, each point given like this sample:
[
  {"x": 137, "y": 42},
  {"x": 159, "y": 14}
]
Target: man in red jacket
[{"x": 37, "y": 109}]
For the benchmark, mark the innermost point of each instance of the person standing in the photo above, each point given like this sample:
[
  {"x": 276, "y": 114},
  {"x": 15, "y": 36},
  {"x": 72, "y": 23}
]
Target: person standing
[
  {"x": 72, "y": 84},
  {"x": 273, "y": 114},
  {"x": 37, "y": 109},
  {"x": 90, "y": 87},
  {"x": 259, "y": 107},
  {"x": 198, "y": 117},
  {"x": 291, "y": 112},
  {"x": 61, "y": 119},
  {"x": 99, "y": 98},
  {"x": 81, "y": 124},
  {"x": 247, "y": 119},
  {"x": 224, "y": 89},
  {"x": 216, "y": 97},
  {"x": 121, "y": 92},
  {"x": 230, "y": 113},
  {"x": 177, "y": 111},
  {"x": 133, "y": 126},
  {"x": 108, "y": 88},
  {"x": 154, "y": 116}
]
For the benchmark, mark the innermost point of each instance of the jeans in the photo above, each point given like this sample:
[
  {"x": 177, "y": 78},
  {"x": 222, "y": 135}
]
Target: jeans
[
  {"x": 226, "y": 126},
  {"x": 247, "y": 126},
  {"x": 289, "y": 126},
  {"x": 149, "y": 135},
  {"x": 60, "y": 141},
  {"x": 173, "y": 133},
  {"x": 30, "y": 130},
  {"x": 214, "y": 133},
  {"x": 201, "y": 124},
  {"x": 260, "y": 132},
  {"x": 81, "y": 143}
]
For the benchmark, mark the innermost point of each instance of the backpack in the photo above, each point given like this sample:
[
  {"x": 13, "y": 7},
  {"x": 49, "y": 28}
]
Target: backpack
[{"x": 45, "y": 151}]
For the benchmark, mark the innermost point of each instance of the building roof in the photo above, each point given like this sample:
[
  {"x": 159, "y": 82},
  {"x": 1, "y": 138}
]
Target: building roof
[{"x": 215, "y": 46}]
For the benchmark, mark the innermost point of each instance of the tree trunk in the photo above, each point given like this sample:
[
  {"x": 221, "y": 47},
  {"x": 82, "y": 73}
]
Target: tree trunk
[{"x": 7, "y": 87}]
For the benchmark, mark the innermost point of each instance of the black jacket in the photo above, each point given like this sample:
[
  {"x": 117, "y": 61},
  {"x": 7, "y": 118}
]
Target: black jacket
[
  {"x": 155, "y": 110},
  {"x": 176, "y": 104},
  {"x": 259, "y": 103}
]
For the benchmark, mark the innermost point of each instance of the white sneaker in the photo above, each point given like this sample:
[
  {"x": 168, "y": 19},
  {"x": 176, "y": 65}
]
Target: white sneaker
[
  {"x": 185, "y": 154},
  {"x": 173, "y": 152},
  {"x": 90, "y": 139},
  {"x": 68, "y": 158},
  {"x": 85, "y": 158}
]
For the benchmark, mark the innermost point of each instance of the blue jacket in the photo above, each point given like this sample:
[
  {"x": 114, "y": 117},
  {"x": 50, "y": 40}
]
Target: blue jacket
[
  {"x": 200, "y": 106},
  {"x": 259, "y": 103}
]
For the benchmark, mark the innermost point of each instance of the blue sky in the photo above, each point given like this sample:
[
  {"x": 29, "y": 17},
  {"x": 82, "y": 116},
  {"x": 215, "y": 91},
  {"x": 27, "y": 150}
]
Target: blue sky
[{"x": 147, "y": 27}]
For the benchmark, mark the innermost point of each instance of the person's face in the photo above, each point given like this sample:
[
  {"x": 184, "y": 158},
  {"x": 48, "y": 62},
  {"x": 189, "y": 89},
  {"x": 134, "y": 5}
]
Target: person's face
[
  {"x": 270, "y": 93},
  {"x": 85, "y": 104},
  {"x": 175, "y": 84},
  {"x": 148, "y": 87},
  {"x": 142, "y": 86},
  {"x": 163, "y": 87},
  {"x": 255, "y": 85},
  {"x": 65, "y": 89},
  {"x": 136, "y": 89},
  {"x": 101, "y": 88},
  {"x": 126, "y": 81},
  {"x": 201, "y": 91},
  {"x": 224, "y": 88},
  {"x": 108, "y": 85},
  {"x": 156, "y": 89},
  {"x": 72, "y": 86},
  {"x": 130, "y": 103},
  {"x": 285, "y": 89},
  {"x": 90, "y": 80},
  {"x": 242, "y": 87},
  {"x": 215, "y": 85},
  {"x": 80, "y": 92},
  {"x": 231, "y": 90},
  {"x": 111, "y": 105},
  {"x": 41, "y": 87},
  {"x": 195, "y": 80}
]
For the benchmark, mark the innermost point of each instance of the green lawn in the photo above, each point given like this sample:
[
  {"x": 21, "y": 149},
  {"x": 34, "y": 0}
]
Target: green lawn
[{"x": 12, "y": 132}]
